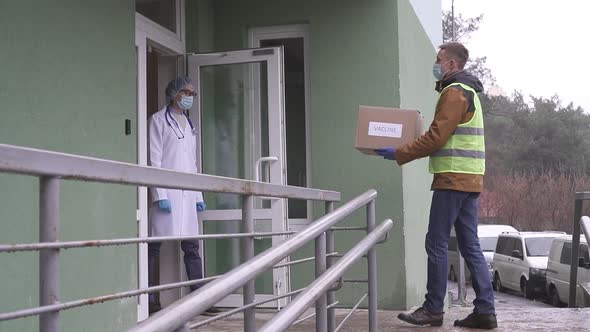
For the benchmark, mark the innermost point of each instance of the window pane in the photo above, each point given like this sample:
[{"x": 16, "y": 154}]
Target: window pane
[
  {"x": 502, "y": 248},
  {"x": 566, "y": 254},
  {"x": 554, "y": 253},
  {"x": 488, "y": 243},
  {"x": 518, "y": 246},
  {"x": 226, "y": 118},
  {"x": 162, "y": 12},
  {"x": 538, "y": 246},
  {"x": 511, "y": 245}
]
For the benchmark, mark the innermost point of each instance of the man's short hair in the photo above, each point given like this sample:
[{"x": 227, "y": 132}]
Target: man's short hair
[{"x": 457, "y": 52}]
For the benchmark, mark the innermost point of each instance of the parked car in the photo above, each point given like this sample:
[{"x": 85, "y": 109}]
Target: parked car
[
  {"x": 558, "y": 270},
  {"x": 488, "y": 236},
  {"x": 520, "y": 261}
]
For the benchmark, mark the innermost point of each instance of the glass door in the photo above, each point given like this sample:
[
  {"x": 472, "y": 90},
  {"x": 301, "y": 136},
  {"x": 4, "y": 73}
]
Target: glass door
[{"x": 241, "y": 119}]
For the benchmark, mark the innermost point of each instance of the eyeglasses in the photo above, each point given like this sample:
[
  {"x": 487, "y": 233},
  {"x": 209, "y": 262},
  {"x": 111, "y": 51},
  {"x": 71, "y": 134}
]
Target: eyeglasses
[{"x": 187, "y": 92}]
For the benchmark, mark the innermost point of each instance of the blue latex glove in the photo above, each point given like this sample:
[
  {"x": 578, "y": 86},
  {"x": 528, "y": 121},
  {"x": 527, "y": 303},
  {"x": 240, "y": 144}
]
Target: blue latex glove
[
  {"x": 387, "y": 153},
  {"x": 165, "y": 205},
  {"x": 201, "y": 206}
]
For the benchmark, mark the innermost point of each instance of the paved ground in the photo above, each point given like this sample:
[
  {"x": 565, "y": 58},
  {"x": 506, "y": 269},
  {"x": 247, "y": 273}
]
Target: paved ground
[{"x": 514, "y": 314}]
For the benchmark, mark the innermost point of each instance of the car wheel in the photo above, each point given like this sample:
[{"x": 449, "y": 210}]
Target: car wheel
[
  {"x": 554, "y": 298},
  {"x": 527, "y": 291},
  {"x": 452, "y": 275},
  {"x": 497, "y": 284}
]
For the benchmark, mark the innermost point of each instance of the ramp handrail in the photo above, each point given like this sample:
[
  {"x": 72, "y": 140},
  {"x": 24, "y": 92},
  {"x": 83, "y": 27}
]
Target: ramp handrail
[
  {"x": 49, "y": 164},
  {"x": 53, "y": 167},
  {"x": 176, "y": 315},
  {"x": 287, "y": 316}
]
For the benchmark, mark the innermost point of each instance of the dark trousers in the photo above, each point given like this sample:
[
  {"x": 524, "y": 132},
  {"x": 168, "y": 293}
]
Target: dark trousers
[
  {"x": 192, "y": 263},
  {"x": 456, "y": 208}
]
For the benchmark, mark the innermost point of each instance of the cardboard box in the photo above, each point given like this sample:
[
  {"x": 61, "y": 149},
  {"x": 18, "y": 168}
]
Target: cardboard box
[{"x": 379, "y": 127}]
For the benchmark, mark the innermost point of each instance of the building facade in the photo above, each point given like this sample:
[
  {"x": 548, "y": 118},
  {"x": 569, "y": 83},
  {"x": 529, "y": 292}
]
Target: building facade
[{"x": 75, "y": 72}]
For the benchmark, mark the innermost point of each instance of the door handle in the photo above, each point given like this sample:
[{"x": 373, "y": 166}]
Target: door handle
[
  {"x": 258, "y": 166},
  {"x": 258, "y": 170}
]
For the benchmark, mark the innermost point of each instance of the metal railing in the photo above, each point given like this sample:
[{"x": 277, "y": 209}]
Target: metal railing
[
  {"x": 585, "y": 285},
  {"x": 176, "y": 315},
  {"x": 314, "y": 291},
  {"x": 52, "y": 167},
  {"x": 579, "y": 201}
]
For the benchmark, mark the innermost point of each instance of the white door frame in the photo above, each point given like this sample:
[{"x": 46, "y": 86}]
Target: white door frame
[
  {"x": 277, "y": 213},
  {"x": 173, "y": 43},
  {"x": 255, "y": 36}
]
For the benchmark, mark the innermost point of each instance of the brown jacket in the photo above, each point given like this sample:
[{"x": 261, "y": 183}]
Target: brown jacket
[{"x": 453, "y": 108}]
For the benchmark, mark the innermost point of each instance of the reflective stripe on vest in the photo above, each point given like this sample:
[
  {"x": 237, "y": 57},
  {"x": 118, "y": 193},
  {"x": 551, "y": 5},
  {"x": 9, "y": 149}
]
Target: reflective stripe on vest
[
  {"x": 460, "y": 153},
  {"x": 468, "y": 131},
  {"x": 464, "y": 152}
]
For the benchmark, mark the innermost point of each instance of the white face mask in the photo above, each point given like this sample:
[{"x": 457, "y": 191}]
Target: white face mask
[{"x": 186, "y": 102}]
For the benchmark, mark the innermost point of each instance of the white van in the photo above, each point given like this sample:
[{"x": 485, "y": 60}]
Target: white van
[
  {"x": 488, "y": 236},
  {"x": 558, "y": 270},
  {"x": 520, "y": 261}
]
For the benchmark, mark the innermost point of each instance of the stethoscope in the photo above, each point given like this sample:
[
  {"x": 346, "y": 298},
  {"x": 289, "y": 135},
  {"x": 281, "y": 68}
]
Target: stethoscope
[{"x": 177, "y": 129}]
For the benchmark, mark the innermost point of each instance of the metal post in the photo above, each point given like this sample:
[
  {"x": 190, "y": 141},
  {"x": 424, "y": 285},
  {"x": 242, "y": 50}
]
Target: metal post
[
  {"x": 453, "y": 20},
  {"x": 330, "y": 295},
  {"x": 321, "y": 313},
  {"x": 372, "y": 273},
  {"x": 49, "y": 276},
  {"x": 247, "y": 254},
  {"x": 575, "y": 252},
  {"x": 461, "y": 280}
]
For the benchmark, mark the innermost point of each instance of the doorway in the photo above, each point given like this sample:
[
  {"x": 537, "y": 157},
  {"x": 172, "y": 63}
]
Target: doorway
[
  {"x": 241, "y": 135},
  {"x": 294, "y": 39},
  {"x": 157, "y": 64}
]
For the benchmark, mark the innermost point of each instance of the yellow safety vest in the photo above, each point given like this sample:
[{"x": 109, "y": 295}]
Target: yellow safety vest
[{"x": 465, "y": 150}]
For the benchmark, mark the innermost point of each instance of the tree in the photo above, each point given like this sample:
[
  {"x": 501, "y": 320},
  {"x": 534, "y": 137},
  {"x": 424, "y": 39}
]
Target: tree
[
  {"x": 543, "y": 136},
  {"x": 537, "y": 152},
  {"x": 463, "y": 30},
  {"x": 533, "y": 202},
  {"x": 463, "y": 27}
]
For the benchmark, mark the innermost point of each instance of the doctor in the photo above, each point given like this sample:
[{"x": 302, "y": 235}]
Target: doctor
[{"x": 173, "y": 145}]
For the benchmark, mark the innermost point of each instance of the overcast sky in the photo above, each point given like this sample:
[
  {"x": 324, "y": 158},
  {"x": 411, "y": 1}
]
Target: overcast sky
[{"x": 539, "y": 47}]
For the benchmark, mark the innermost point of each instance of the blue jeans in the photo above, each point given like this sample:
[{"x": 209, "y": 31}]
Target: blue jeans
[
  {"x": 192, "y": 263},
  {"x": 457, "y": 208}
]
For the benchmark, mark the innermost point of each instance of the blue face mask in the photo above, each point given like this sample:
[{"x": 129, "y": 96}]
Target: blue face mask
[
  {"x": 437, "y": 70},
  {"x": 186, "y": 102}
]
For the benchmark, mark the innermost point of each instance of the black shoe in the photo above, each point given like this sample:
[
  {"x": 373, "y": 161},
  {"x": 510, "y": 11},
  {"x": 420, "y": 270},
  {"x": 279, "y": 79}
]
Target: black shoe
[
  {"x": 211, "y": 312},
  {"x": 154, "y": 307},
  {"x": 478, "y": 321},
  {"x": 422, "y": 316}
]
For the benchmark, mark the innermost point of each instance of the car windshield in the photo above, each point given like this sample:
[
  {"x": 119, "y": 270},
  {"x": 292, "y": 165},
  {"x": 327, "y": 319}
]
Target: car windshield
[
  {"x": 538, "y": 246},
  {"x": 488, "y": 243}
]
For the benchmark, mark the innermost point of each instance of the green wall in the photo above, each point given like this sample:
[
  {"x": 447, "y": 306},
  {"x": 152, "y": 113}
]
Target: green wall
[
  {"x": 417, "y": 55},
  {"x": 353, "y": 60},
  {"x": 68, "y": 84},
  {"x": 371, "y": 52}
]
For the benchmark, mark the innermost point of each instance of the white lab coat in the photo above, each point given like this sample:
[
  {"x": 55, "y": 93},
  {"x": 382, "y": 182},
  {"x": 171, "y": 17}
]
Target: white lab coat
[{"x": 170, "y": 152}]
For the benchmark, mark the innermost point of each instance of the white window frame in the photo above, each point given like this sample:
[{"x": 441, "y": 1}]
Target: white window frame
[
  {"x": 255, "y": 36},
  {"x": 170, "y": 39}
]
